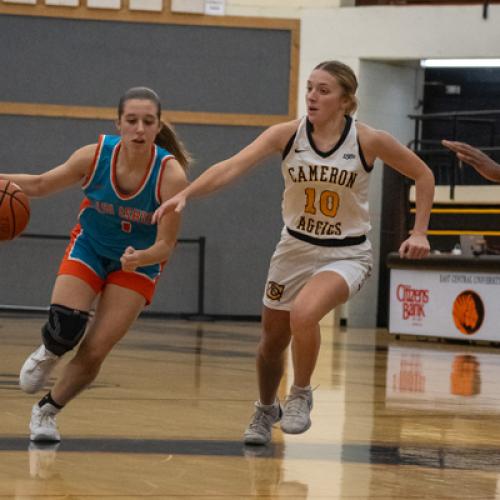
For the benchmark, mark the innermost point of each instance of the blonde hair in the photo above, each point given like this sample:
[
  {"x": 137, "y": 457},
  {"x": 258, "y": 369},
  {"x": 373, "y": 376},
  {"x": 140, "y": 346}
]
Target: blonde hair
[{"x": 347, "y": 80}]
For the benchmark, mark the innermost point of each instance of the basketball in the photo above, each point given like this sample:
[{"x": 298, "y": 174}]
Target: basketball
[{"x": 14, "y": 210}]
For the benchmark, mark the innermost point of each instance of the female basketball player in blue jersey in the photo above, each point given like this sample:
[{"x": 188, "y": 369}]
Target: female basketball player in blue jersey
[
  {"x": 323, "y": 257},
  {"x": 115, "y": 251}
]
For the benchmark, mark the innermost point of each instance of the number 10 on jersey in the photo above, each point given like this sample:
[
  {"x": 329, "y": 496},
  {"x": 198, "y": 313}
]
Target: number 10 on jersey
[{"x": 328, "y": 202}]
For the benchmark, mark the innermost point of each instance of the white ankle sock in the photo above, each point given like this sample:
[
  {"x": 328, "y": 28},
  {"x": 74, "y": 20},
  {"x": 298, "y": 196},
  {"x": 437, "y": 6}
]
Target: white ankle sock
[
  {"x": 269, "y": 407},
  {"x": 296, "y": 388}
]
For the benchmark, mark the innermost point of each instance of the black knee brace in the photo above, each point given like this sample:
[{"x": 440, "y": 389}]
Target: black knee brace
[{"x": 64, "y": 329}]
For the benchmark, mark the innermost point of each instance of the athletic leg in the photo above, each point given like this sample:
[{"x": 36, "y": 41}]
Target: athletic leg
[
  {"x": 270, "y": 365},
  {"x": 321, "y": 294},
  {"x": 63, "y": 330},
  {"x": 71, "y": 300},
  {"x": 318, "y": 297},
  {"x": 271, "y": 352},
  {"x": 117, "y": 310}
]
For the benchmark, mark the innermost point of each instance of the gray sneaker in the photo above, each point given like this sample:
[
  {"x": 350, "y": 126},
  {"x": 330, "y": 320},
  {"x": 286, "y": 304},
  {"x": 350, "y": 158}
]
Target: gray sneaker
[
  {"x": 296, "y": 411},
  {"x": 36, "y": 370},
  {"x": 43, "y": 425},
  {"x": 259, "y": 429}
]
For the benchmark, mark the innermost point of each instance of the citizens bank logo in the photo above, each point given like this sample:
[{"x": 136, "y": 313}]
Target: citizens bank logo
[
  {"x": 468, "y": 312},
  {"x": 413, "y": 301}
]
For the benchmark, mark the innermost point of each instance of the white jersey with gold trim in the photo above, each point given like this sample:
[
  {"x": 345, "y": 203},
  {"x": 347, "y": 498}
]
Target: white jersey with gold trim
[{"x": 326, "y": 193}]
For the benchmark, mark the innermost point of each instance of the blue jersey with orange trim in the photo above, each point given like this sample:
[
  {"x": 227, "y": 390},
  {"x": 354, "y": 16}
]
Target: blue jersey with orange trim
[{"x": 114, "y": 220}]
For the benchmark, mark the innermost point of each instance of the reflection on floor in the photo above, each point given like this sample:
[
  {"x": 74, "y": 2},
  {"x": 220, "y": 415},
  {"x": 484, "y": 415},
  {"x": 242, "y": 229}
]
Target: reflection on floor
[{"x": 392, "y": 419}]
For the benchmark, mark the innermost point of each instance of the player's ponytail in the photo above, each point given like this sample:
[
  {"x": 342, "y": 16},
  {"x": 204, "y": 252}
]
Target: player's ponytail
[{"x": 167, "y": 139}]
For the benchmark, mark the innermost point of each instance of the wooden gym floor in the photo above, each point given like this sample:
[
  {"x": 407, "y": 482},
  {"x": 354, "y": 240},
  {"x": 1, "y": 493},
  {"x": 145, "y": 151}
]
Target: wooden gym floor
[{"x": 393, "y": 419}]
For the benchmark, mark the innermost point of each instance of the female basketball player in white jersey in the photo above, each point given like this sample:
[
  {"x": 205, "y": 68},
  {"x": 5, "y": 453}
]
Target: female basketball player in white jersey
[
  {"x": 323, "y": 257},
  {"x": 115, "y": 251}
]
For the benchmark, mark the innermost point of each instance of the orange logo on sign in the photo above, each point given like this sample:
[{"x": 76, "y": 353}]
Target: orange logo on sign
[{"x": 468, "y": 312}]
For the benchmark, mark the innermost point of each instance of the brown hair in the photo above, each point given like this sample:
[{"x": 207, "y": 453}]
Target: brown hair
[
  {"x": 166, "y": 137},
  {"x": 346, "y": 78}
]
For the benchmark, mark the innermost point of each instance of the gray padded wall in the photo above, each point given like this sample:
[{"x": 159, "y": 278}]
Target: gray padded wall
[{"x": 193, "y": 68}]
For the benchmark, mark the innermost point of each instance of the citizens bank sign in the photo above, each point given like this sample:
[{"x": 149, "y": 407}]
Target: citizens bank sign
[
  {"x": 412, "y": 301},
  {"x": 438, "y": 303}
]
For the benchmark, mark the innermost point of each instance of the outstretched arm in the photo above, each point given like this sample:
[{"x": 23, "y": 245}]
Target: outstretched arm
[
  {"x": 384, "y": 146},
  {"x": 474, "y": 157},
  {"x": 73, "y": 170},
  {"x": 227, "y": 171}
]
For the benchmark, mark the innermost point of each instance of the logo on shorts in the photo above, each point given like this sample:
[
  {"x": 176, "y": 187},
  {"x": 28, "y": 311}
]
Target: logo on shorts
[{"x": 274, "y": 290}]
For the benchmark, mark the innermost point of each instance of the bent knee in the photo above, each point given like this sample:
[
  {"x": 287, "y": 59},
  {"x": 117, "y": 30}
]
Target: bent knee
[
  {"x": 303, "y": 320},
  {"x": 64, "y": 328},
  {"x": 273, "y": 343}
]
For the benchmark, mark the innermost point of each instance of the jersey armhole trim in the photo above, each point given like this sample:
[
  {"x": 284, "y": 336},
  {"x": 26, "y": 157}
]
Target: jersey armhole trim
[
  {"x": 367, "y": 167},
  {"x": 93, "y": 165},
  {"x": 288, "y": 146},
  {"x": 163, "y": 166}
]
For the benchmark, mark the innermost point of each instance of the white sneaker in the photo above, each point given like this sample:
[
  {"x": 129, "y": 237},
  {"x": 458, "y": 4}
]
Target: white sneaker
[
  {"x": 43, "y": 425},
  {"x": 36, "y": 370},
  {"x": 296, "y": 411},
  {"x": 259, "y": 429},
  {"x": 42, "y": 458}
]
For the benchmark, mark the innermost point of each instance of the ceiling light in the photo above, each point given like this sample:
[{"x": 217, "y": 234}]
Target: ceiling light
[{"x": 460, "y": 63}]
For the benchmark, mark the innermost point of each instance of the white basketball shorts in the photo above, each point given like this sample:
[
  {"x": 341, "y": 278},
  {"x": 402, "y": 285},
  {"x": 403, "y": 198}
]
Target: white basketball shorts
[{"x": 295, "y": 262}]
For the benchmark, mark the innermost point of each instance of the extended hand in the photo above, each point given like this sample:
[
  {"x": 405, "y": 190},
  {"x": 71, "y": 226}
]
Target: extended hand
[
  {"x": 174, "y": 204},
  {"x": 469, "y": 154},
  {"x": 130, "y": 259},
  {"x": 415, "y": 247}
]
